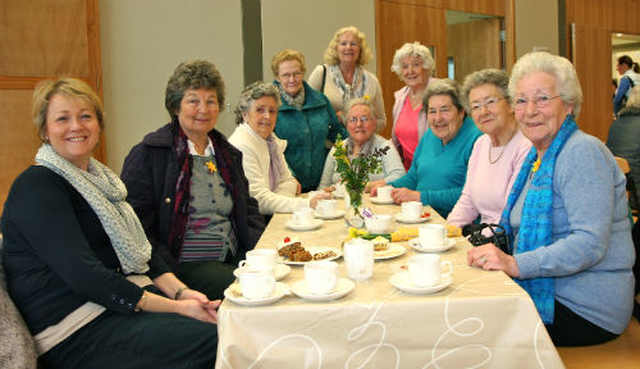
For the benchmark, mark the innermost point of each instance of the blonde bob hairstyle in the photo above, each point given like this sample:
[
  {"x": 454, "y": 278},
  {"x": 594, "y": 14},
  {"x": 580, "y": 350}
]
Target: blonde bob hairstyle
[
  {"x": 69, "y": 87},
  {"x": 560, "y": 68},
  {"x": 366, "y": 102},
  {"x": 331, "y": 54},
  {"x": 413, "y": 49},
  {"x": 286, "y": 55}
]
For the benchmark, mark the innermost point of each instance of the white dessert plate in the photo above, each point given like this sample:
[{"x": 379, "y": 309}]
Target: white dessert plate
[
  {"x": 313, "y": 250},
  {"x": 393, "y": 251},
  {"x": 337, "y": 214},
  {"x": 402, "y": 281},
  {"x": 402, "y": 219},
  {"x": 282, "y": 270},
  {"x": 315, "y": 223},
  {"x": 345, "y": 286},
  {"x": 378, "y": 201},
  {"x": 415, "y": 244},
  {"x": 234, "y": 294}
]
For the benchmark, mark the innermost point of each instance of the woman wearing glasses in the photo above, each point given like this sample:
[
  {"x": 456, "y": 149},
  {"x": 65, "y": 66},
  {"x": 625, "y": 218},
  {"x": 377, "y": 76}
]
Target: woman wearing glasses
[
  {"x": 439, "y": 168},
  {"x": 566, "y": 213},
  {"x": 497, "y": 155},
  {"x": 306, "y": 120},
  {"x": 362, "y": 125}
]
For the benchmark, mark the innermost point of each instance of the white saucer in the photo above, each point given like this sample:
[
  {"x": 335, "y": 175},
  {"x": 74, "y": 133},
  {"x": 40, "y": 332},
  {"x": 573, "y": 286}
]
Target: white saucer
[
  {"x": 393, "y": 251},
  {"x": 400, "y": 218},
  {"x": 282, "y": 270},
  {"x": 415, "y": 244},
  {"x": 313, "y": 250},
  {"x": 402, "y": 281},
  {"x": 344, "y": 287},
  {"x": 378, "y": 201},
  {"x": 234, "y": 294},
  {"x": 315, "y": 223},
  {"x": 336, "y": 215}
]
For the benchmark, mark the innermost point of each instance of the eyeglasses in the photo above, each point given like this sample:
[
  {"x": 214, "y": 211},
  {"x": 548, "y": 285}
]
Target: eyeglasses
[
  {"x": 541, "y": 101},
  {"x": 295, "y": 75},
  {"x": 488, "y": 103},
  {"x": 362, "y": 119}
]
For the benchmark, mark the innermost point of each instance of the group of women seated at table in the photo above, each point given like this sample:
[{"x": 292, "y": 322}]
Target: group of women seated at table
[{"x": 166, "y": 238}]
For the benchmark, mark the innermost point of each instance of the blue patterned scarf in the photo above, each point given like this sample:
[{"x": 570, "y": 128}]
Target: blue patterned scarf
[{"x": 536, "y": 224}]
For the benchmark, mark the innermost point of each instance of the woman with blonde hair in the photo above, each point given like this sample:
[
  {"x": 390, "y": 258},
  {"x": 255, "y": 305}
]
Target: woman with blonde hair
[
  {"x": 343, "y": 77},
  {"x": 306, "y": 120},
  {"x": 86, "y": 281}
]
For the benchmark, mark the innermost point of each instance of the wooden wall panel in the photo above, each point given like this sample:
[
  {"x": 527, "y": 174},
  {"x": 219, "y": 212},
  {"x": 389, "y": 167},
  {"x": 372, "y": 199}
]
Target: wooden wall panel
[
  {"x": 597, "y": 109},
  {"x": 49, "y": 41},
  {"x": 619, "y": 15},
  {"x": 462, "y": 42},
  {"x": 492, "y": 7},
  {"x": 19, "y": 139},
  {"x": 396, "y": 25}
]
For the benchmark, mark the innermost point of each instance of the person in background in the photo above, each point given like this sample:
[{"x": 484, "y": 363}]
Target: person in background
[
  {"x": 270, "y": 181},
  {"x": 306, "y": 120},
  {"x": 439, "y": 168},
  {"x": 624, "y": 140},
  {"x": 497, "y": 155},
  {"x": 78, "y": 264},
  {"x": 343, "y": 77},
  {"x": 187, "y": 185},
  {"x": 414, "y": 65},
  {"x": 362, "y": 140},
  {"x": 629, "y": 78},
  {"x": 566, "y": 215}
]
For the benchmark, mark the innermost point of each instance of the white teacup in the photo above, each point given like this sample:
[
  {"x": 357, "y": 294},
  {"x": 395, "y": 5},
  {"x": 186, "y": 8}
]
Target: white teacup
[
  {"x": 426, "y": 269},
  {"x": 256, "y": 283},
  {"x": 321, "y": 276},
  {"x": 384, "y": 192},
  {"x": 412, "y": 210},
  {"x": 432, "y": 235},
  {"x": 358, "y": 258},
  {"x": 378, "y": 224},
  {"x": 264, "y": 259},
  {"x": 340, "y": 190},
  {"x": 302, "y": 216},
  {"x": 326, "y": 207}
]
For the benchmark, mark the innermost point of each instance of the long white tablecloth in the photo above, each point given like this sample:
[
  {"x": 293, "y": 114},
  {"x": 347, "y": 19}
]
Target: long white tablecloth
[{"x": 482, "y": 320}]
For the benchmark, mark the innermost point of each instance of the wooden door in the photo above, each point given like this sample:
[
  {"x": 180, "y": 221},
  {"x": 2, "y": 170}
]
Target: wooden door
[
  {"x": 595, "y": 77},
  {"x": 397, "y": 24},
  {"x": 40, "y": 40}
]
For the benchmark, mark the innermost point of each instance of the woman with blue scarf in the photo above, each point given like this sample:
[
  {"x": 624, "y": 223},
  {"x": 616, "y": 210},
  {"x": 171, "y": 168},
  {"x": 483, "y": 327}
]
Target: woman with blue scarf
[{"x": 566, "y": 215}]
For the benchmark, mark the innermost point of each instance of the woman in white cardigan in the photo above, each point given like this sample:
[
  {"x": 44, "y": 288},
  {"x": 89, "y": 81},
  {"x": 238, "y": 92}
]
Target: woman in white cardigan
[{"x": 270, "y": 180}]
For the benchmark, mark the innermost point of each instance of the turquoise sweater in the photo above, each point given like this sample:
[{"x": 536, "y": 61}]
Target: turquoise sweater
[
  {"x": 438, "y": 172},
  {"x": 306, "y": 132}
]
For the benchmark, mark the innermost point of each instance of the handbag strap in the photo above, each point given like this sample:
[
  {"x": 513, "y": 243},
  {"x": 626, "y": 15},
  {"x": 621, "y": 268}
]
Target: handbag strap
[{"x": 324, "y": 77}]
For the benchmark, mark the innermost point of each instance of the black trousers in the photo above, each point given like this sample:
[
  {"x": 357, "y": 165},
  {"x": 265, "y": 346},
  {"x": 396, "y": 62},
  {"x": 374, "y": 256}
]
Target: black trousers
[
  {"x": 570, "y": 329},
  {"x": 136, "y": 341}
]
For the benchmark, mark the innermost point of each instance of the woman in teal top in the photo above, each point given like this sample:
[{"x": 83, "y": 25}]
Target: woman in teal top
[
  {"x": 439, "y": 168},
  {"x": 306, "y": 120}
]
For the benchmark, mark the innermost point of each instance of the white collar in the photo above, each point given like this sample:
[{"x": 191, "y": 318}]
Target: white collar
[{"x": 208, "y": 151}]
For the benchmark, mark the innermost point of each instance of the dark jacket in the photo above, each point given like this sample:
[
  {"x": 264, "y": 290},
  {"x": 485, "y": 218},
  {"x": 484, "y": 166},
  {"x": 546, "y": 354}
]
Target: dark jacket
[{"x": 150, "y": 173}]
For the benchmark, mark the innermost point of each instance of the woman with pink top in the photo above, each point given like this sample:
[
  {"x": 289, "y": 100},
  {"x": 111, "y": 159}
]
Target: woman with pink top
[
  {"x": 413, "y": 64},
  {"x": 497, "y": 155}
]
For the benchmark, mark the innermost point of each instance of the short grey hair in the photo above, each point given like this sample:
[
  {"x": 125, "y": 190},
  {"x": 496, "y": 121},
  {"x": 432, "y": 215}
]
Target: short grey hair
[
  {"x": 253, "y": 92},
  {"x": 445, "y": 87},
  {"x": 413, "y": 49},
  {"x": 366, "y": 102},
  {"x": 633, "y": 102},
  {"x": 192, "y": 75},
  {"x": 560, "y": 68},
  {"x": 496, "y": 77}
]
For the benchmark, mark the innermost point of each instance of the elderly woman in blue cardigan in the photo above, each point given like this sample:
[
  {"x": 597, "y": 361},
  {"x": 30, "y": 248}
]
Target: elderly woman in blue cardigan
[
  {"x": 567, "y": 212},
  {"x": 439, "y": 168}
]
